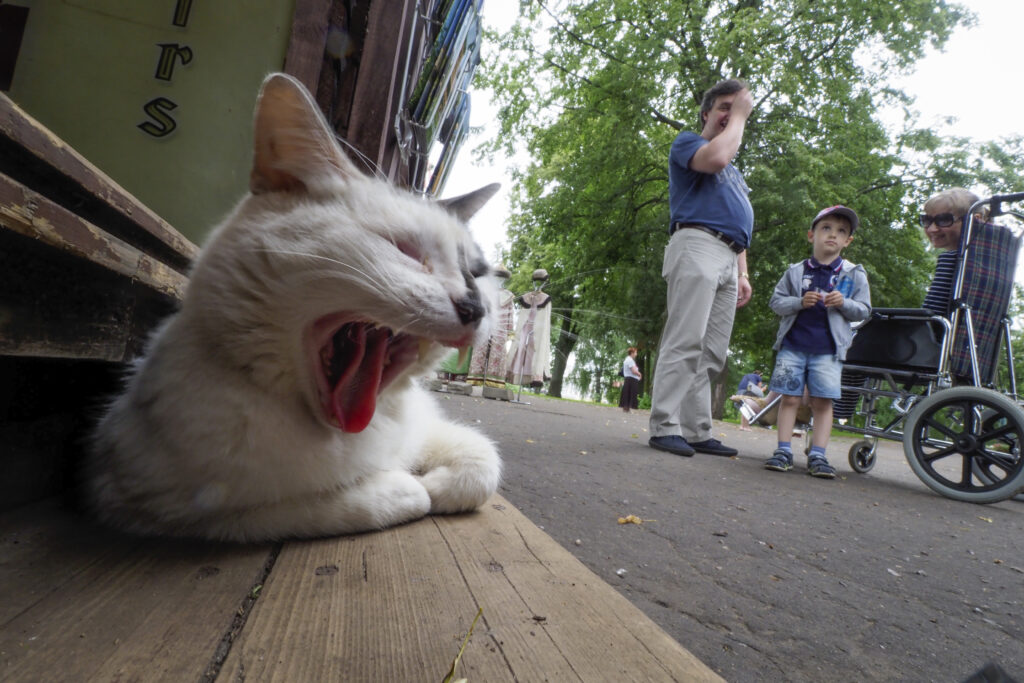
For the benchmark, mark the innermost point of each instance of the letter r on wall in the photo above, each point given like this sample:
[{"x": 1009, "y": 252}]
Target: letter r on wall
[{"x": 169, "y": 54}]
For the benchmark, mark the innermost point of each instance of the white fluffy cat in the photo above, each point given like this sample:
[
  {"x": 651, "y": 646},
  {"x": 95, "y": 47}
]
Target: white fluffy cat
[{"x": 281, "y": 400}]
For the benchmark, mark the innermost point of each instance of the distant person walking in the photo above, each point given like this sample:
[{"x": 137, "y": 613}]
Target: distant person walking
[
  {"x": 630, "y": 397},
  {"x": 705, "y": 267}
]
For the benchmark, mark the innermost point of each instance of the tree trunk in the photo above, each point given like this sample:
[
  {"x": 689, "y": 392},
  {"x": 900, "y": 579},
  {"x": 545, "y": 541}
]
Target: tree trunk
[
  {"x": 563, "y": 347},
  {"x": 719, "y": 393}
]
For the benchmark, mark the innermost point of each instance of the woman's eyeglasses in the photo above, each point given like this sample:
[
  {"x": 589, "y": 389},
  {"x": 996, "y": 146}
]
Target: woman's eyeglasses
[{"x": 943, "y": 220}]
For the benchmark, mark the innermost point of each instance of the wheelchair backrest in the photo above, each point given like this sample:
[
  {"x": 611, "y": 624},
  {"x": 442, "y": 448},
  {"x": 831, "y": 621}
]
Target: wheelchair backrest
[{"x": 986, "y": 265}]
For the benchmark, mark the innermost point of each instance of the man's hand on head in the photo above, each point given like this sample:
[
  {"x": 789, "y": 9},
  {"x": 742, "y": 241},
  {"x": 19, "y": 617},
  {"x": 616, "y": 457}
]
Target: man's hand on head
[{"x": 743, "y": 104}]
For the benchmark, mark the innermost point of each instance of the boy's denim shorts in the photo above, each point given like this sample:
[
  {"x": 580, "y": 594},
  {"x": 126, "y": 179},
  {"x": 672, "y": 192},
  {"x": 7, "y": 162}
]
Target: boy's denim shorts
[{"x": 820, "y": 372}]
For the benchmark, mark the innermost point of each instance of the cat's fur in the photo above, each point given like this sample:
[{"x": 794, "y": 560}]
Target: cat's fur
[{"x": 244, "y": 420}]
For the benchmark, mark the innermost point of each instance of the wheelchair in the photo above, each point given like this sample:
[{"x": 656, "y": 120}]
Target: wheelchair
[{"x": 945, "y": 385}]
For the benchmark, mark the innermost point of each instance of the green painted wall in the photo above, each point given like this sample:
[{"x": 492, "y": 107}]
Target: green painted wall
[{"x": 88, "y": 69}]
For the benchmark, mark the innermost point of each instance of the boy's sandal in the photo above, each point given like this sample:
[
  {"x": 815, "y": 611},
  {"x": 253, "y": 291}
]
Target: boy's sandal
[
  {"x": 781, "y": 461},
  {"x": 819, "y": 467}
]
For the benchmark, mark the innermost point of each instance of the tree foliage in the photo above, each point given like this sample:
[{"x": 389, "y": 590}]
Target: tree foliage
[{"x": 595, "y": 92}]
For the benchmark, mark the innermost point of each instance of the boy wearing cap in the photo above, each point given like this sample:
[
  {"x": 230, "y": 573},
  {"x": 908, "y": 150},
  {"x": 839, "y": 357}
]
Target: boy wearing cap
[{"x": 817, "y": 299}]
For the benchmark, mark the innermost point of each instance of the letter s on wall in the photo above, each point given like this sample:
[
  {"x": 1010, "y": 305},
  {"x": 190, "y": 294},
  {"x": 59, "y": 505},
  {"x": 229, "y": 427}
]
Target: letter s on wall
[{"x": 163, "y": 124}]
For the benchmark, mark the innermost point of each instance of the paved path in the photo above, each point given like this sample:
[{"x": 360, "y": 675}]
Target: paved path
[{"x": 771, "y": 576}]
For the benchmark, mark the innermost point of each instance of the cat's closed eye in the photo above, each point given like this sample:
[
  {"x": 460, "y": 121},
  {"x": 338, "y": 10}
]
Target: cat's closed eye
[{"x": 411, "y": 250}]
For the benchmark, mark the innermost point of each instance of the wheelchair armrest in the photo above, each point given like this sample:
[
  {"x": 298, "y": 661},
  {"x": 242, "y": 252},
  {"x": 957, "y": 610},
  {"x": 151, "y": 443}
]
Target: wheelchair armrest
[
  {"x": 895, "y": 314},
  {"x": 902, "y": 313}
]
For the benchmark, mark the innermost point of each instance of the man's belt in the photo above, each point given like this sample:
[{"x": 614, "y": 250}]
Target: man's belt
[{"x": 731, "y": 243}]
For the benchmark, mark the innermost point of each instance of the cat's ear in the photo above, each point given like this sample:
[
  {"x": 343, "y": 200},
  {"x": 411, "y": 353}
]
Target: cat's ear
[
  {"x": 293, "y": 146},
  {"x": 468, "y": 204}
]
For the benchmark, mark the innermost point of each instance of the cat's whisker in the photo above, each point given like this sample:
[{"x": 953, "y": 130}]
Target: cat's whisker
[
  {"x": 333, "y": 277},
  {"x": 337, "y": 271},
  {"x": 378, "y": 172},
  {"x": 366, "y": 277}
]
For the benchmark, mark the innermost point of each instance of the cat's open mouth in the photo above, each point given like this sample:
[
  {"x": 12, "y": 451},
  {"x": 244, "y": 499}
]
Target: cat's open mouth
[{"x": 353, "y": 363}]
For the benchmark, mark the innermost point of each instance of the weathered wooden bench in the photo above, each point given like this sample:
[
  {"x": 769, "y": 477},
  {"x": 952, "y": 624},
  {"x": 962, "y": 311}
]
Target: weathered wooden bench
[
  {"x": 87, "y": 271},
  {"x": 81, "y": 603}
]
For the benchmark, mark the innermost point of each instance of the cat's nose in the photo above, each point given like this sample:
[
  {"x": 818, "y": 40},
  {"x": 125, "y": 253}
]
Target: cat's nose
[{"x": 469, "y": 309}]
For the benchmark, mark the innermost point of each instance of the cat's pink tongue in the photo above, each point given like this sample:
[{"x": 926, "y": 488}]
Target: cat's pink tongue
[{"x": 354, "y": 398}]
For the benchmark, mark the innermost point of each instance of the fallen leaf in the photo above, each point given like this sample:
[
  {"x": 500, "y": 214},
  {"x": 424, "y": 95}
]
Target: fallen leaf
[
  {"x": 583, "y": 452},
  {"x": 633, "y": 519},
  {"x": 985, "y": 519},
  {"x": 529, "y": 441}
]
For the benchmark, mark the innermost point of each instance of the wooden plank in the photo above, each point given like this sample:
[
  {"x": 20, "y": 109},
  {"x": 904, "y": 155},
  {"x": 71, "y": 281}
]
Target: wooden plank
[
  {"x": 56, "y": 305},
  {"x": 395, "y": 605},
  {"x": 78, "y": 603},
  {"x": 380, "y": 607},
  {"x": 306, "y": 47},
  {"x": 76, "y": 182},
  {"x": 339, "y": 74},
  {"x": 375, "y": 103},
  {"x": 28, "y": 213},
  {"x": 572, "y": 611}
]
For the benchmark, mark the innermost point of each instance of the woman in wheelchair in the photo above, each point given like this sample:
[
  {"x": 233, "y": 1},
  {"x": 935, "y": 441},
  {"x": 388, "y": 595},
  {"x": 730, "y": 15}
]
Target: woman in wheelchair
[
  {"x": 943, "y": 222},
  {"x": 906, "y": 338},
  {"x": 960, "y": 421}
]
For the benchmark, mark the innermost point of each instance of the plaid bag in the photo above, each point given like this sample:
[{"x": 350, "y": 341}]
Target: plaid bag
[{"x": 988, "y": 285}]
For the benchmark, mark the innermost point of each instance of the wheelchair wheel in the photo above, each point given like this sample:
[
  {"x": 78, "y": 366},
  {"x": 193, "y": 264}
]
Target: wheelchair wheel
[
  {"x": 965, "y": 443},
  {"x": 862, "y": 456}
]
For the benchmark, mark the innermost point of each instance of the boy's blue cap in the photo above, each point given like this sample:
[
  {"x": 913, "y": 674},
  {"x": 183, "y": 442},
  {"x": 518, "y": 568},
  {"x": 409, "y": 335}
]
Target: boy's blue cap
[{"x": 844, "y": 211}]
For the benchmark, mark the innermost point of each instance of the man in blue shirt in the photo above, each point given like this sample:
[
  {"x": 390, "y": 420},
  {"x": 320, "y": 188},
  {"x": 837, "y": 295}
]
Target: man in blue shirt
[{"x": 705, "y": 267}]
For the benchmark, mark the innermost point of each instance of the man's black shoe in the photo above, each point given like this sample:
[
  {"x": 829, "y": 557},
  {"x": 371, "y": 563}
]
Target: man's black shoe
[
  {"x": 713, "y": 447},
  {"x": 672, "y": 444}
]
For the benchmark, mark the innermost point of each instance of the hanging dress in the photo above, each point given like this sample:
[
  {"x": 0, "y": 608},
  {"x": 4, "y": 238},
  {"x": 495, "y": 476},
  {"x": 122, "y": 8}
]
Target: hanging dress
[
  {"x": 530, "y": 356},
  {"x": 487, "y": 365}
]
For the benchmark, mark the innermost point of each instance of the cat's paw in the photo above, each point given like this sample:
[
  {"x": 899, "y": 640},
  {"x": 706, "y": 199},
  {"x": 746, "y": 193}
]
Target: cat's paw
[
  {"x": 390, "y": 498},
  {"x": 460, "y": 469}
]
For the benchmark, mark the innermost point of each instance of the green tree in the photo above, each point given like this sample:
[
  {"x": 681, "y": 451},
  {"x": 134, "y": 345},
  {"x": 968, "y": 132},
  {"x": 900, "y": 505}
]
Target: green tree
[{"x": 596, "y": 91}]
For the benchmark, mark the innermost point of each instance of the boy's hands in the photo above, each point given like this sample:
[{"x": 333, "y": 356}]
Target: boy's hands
[{"x": 833, "y": 299}]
